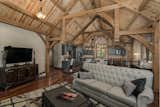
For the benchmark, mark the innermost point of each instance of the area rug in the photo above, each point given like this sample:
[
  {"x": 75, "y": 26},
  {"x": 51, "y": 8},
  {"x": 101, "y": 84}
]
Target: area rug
[{"x": 31, "y": 99}]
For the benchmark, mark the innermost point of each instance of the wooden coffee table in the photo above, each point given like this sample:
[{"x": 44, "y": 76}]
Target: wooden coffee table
[{"x": 50, "y": 99}]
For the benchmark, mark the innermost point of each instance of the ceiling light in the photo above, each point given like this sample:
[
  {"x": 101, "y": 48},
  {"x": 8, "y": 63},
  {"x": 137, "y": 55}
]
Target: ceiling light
[
  {"x": 40, "y": 14},
  {"x": 136, "y": 54}
]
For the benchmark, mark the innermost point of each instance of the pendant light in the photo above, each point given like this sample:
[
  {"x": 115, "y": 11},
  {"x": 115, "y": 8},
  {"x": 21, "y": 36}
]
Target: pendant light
[{"x": 40, "y": 14}]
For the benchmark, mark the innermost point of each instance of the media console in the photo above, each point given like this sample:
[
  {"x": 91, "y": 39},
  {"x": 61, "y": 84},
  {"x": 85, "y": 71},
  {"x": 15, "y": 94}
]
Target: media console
[{"x": 18, "y": 74}]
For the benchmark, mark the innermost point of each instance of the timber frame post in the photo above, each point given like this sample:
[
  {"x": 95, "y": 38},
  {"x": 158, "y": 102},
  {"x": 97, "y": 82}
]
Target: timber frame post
[
  {"x": 63, "y": 30},
  {"x": 47, "y": 58},
  {"x": 47, "y": 48},
  {"x": 156, "y": 62},
  {"x": 117, "y": 24}
]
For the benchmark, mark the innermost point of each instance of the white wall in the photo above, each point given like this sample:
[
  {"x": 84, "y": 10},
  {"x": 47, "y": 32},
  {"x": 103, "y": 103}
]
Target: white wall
[{"x": 17, "y": 37}]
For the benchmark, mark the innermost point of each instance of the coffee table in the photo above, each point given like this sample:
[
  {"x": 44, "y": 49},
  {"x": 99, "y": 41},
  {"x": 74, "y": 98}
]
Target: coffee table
[{"x": 49, "y": 99}]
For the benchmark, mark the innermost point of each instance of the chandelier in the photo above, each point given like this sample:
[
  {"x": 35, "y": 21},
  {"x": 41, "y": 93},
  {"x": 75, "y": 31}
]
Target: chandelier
[{"x": 40, "y": 14}]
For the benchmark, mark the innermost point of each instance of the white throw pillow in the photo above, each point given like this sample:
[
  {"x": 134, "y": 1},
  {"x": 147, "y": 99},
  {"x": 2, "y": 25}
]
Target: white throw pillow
[{"x": 128, "y": 88}]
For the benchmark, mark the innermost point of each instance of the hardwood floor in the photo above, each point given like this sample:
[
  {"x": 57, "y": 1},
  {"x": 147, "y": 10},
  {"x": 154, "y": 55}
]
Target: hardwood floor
[{"x": 55, "y": 76}]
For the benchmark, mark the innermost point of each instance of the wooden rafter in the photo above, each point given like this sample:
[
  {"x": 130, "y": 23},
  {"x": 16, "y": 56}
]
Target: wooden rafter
[
  {"x": 94, "y": 11},
  {"x": 54, "y": 39},
  {"x": 82, "y": 30},
  {"x": 143, "y": 41},
  {"x": 138, "y": 31},
  {"x": 20, "y": 25},
  {"x": 107, "y": 18},
  {"x": 70, "y": 5},
  {"x": 57, "y": 5},
  {"x": 117, "y": 25},
  {"x": 141, "y": 7},
  {"x": 134, "y": 10},
  {"x": 63, "y": 38},
  {"x": 24, "y": 12}
]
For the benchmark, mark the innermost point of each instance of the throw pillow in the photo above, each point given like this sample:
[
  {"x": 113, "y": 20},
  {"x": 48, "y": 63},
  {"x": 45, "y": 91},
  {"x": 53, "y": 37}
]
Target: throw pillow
[
  {"x": 140, "y": 85},
  {"x": 128, "y": 88}
]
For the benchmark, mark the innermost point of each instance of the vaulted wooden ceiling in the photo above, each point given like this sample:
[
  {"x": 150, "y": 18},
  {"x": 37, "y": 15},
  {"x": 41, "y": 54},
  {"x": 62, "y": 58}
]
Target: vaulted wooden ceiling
[{"x": 83, "y": 16}]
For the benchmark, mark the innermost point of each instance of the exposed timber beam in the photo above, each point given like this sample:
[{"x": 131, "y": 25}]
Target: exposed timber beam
[
  {"x": 96, "y": 31},
  {"x": 57, "y": 5},
  {"x": 156, "y": 57},
  {"x": 54, "y": 39},
  {"x": 63, "y": 36},
  {"x": 137, "y": 31},
  {"x": 141, "y": 7},
  {"x": 24, "y": 12},
  {"x": 117, "y": 25},
  {"x": 129, "y": 7},
  {"x": 20, "y": 25},
  {"x": 85, "y": 27},
  {"x": 27, "y": 13},
  {"x": 107, "y": 18},
  {"x": 95, "y": 11},
  {"x": 69, "y": 6},
  {"x": 142, "y": 40}
]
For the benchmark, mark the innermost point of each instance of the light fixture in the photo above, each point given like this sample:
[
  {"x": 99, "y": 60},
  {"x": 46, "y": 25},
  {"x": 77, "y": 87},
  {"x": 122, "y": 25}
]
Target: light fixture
[
  {"x": 136, "y": 54},
  {"x": 40, "y": 14}
]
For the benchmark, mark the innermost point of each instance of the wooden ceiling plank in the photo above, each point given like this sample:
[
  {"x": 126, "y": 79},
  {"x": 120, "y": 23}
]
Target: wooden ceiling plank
[
  {"x": 107, "y": 18},
  {"x": 82, "y": 30},
  {"x": 14, "y": 23},
  {"x": 30, "y": 23},
  {"x": 70, "y": 5},
  {"x": 142, "y": 6},
  {"x": 50, "y": 11},
  {"x": 14, "y": 7},
  {"x": 57, "y": 5}
]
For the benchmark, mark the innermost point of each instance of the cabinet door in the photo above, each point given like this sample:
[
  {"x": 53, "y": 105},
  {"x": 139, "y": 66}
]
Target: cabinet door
[{"x": 12, "y": 76}]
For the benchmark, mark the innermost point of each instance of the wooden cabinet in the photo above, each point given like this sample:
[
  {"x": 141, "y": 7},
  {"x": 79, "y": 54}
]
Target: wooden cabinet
[{"x": 18, "y": 74}]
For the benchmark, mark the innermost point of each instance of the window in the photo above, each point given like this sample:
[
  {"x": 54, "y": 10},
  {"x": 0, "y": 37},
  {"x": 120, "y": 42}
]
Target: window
[{"x": 100, "y": 51}]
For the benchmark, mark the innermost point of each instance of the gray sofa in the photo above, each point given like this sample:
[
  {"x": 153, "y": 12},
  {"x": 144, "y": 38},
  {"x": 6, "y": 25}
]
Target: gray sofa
[{"x": 106, "y": 85}]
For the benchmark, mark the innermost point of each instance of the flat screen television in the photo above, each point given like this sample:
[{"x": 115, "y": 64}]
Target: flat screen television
[{"x": 17, "y": 55}]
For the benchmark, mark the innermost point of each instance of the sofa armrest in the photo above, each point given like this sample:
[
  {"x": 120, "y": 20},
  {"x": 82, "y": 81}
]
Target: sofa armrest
[
  {"x": 75, "y": 75},
  {"x": 145, "y": 98}
]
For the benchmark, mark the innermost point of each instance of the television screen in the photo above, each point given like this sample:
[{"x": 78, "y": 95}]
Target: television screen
[{"x": 16, "y": 55}]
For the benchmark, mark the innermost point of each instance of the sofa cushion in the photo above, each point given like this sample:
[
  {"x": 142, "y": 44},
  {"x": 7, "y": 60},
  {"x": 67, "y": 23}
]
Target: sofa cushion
[
  {"x": 95, "y": 85},
  {"x": 118, "y": 75},
  {"x": 100, "y": 86},
  {"x": 128, "y": 87},
  {"x": 117, "y": 93},
  {"x": 86, "y": 75}
]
